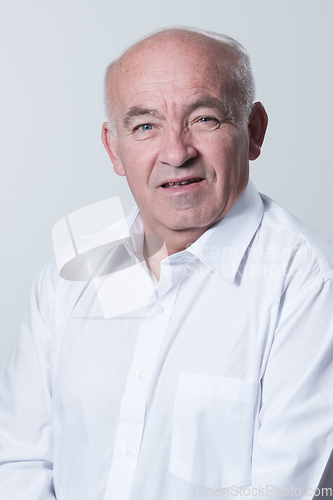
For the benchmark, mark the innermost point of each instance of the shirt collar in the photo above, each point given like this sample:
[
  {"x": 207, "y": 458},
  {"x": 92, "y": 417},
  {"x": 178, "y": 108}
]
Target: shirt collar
[{"x": 222, "y": 247}]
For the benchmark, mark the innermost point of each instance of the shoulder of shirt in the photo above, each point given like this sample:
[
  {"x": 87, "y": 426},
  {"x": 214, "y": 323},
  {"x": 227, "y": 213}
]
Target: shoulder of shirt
[{"x": 299, "y": 233}]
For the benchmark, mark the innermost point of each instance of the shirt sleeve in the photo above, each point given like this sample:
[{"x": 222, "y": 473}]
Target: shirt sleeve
[
  {"x": 295, "y": 428},
  {"x": 26, "y": 470}
]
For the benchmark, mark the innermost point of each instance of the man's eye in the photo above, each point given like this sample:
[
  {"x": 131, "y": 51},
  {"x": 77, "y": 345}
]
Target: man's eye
[
  {"x": 145, "y": 127},
  {"x": 211, "y": 120},
  {"x": 207, "y": 122}
]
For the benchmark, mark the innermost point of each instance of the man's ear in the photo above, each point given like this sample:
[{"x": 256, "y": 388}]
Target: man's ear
[
  {"x": 258, "y": 122},
  {"x": 111, "y": 146}
]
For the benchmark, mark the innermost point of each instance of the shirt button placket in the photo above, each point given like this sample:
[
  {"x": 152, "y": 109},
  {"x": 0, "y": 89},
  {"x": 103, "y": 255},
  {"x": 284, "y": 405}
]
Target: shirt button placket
[
  {"x": 140, "y": 374},
  {"x": 126, "y": 449},
  {"x": 159, "y": 308}
]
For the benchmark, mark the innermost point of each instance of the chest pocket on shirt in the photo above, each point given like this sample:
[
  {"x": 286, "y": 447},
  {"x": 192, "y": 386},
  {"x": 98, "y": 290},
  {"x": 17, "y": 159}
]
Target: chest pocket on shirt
[{"x": 213, "y": 430}]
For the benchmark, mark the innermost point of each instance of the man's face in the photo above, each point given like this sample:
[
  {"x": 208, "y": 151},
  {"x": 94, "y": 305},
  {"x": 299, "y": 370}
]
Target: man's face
[{"x": 185, "y": 162}]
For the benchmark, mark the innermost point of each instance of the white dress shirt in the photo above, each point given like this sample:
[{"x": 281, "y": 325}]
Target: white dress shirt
[{"x": 220, "y": 382}]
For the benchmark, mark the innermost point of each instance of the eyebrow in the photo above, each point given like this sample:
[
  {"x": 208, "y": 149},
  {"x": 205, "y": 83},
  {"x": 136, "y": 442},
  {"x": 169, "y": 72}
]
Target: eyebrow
[
  {"x": 208, "y": 101},
  {"x": 137, "y": 111}
]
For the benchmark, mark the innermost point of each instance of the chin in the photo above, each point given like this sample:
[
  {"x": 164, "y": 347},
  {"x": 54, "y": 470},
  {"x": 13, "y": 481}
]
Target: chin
[{"x": 187, "y": 223}]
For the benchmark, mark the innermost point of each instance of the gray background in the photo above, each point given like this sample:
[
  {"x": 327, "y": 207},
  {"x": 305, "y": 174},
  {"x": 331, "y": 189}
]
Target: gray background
[{"x": 53, "y": 56}]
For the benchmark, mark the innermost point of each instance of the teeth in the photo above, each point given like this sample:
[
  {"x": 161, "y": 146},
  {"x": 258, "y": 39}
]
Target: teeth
[{"x": 171, "y": 184}]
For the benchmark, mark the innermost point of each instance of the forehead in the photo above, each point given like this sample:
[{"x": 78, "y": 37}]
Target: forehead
[{"x": 168, "y": 69}]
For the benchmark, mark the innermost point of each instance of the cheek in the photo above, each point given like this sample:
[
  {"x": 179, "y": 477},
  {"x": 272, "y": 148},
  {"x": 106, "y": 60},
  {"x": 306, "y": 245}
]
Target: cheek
[
  {"x": 136, "y": 169},
  {"x": 220, "y": 157},
  {"x": 138, "y": 159},
  {"x": 228, "y": 162},
  {"x": 215, "y": 145}
]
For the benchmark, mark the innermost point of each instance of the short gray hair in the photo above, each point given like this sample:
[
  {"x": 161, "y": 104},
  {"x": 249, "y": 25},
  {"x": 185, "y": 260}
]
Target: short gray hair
[{"x": 240, "y": 87}]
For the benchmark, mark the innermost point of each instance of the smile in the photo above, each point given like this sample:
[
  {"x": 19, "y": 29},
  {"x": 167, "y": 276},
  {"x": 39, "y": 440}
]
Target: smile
[{"x": 180, "y": 183}]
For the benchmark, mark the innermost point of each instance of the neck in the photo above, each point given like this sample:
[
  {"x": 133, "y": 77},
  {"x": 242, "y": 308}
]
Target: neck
[
  {"x": 174, "y": 242},
  {"x": 154, "y": 258}
]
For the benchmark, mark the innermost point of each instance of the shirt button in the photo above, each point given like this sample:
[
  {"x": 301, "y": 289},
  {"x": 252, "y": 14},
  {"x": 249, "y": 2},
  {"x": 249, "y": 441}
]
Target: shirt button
[
  {"x": 159, "y": 308},
  {"x": 140, "y": 374},
  {"x": 126, "y": 449}
]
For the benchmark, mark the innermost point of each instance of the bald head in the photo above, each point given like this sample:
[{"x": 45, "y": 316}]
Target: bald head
[{"x": 173, "y": 48}]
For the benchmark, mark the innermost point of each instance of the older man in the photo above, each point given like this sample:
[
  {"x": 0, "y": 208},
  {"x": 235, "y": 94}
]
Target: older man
[{"x": 217, "y": 384}]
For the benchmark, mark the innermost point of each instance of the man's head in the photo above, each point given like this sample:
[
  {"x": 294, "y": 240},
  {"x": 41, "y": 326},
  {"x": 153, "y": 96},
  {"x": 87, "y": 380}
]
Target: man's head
[{"x": 180, "y": 106}]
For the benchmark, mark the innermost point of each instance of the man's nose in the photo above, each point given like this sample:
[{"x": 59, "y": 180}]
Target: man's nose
[{"x": 176, "y": 149}]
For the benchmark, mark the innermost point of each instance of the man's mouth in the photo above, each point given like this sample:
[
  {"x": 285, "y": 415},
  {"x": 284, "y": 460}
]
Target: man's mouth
[{"x": 181, "y": 183}]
